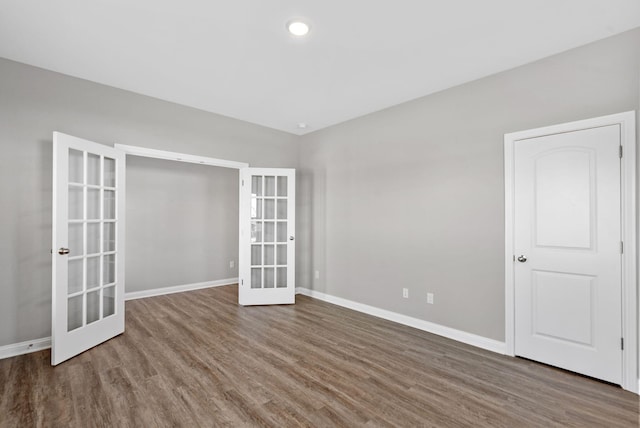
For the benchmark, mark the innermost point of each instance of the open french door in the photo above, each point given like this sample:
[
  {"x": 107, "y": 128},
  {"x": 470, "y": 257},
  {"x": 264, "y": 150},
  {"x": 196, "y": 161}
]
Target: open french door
[
  {"x": 87, "y": 245},
  {"x": 267, "y": 236}
]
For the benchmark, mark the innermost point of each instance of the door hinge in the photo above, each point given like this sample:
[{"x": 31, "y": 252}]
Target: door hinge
[
  {"x": 622, "y": 343},
  {"x": 242, "y": 282},
  {"x": 620, "y": 152},
  {"x": 621, "y": 247},
  {"x": 242, "y": 183}
]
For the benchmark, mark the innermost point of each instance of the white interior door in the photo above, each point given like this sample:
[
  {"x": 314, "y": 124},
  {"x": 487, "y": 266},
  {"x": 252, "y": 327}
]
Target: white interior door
[
  {"x": 88, "y": 245},
  {"x": 267, "y": 236},
  {"x": 568, "y": 251}
]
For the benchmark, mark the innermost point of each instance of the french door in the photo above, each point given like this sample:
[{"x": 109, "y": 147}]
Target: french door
[
  {"x": 87, "y": 245},
  {"x": 267, "y": 236}
]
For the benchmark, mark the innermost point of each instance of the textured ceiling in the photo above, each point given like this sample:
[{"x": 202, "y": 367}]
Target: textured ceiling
[{"x": 235, "y": 58}]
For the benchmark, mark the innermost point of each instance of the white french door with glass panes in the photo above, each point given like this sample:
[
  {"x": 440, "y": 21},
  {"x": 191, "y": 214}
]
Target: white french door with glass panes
[
  {"x": 88, "y": 244},
  {"x": 267, "y": 236}
]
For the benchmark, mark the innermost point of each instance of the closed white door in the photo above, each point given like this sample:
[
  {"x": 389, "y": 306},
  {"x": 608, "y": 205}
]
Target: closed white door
[
  {"x": 88, "y": 245},
  {"x": 568, "y": 251},
  {"x": 267, "y": 236}
]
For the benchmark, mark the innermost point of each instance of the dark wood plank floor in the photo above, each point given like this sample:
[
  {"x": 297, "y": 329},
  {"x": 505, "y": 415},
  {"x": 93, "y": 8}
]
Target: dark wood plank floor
[{"x": 198, "y": 359}]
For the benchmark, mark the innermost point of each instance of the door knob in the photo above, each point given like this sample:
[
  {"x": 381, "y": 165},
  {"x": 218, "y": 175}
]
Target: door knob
[
  {"x": 291, "y": 238},
  {"x": 63, "y": 251},
  {"x": 522, "y": 259}
]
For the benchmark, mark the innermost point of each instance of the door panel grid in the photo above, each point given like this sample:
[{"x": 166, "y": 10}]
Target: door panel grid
[
  {"x": 92, "y": 229},
  {"x": 269, "y": 226}
]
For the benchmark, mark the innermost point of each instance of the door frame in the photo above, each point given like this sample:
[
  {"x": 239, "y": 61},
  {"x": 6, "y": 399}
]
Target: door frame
[
  {"x": 629, "y": 304},
  {"x": 178, "y": 157},
  {"x": 243, "y": 256},
  {"x": 187, "y": 158}
]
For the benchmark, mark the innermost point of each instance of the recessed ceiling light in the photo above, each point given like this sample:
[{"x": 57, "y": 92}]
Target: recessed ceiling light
[
  {"x": 298, "y": 28},
  {"x": 302, "y": 125}
]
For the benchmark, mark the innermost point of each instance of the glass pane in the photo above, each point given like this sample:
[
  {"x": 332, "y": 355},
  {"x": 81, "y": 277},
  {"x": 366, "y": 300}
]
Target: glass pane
[
  {"x": 109, "y": 204},
  {"x": 256, "y": 208},
  {"x": 74, "y": 312},
  {"x": 93, "y": 272},
  {"x": 75, "y": 203},
  {"x": 281, "y": 256},
  {"x": 109, "y": 172},
  {"x": 76, "y": 168},
  {"x": 282, "y": 231},
  {"x": 282, "y": 186},
  {"x": 269, "y": 208},
  {"x": 76, "y": 241},
  {"x": 256, "y": 278},
  {"x": 93, "y": 204},
  {"x": 93, "y": 169},
  {"x": 256, "y": 255},
  {"x": 74, "y": 276},
  {"x": 93, "y": 238},
  {"x": 109, "y": 238},
  {"x": 109, "y": 269},
  {"x": 256, "y": 185},
  {"x": 269, "y": 232},
  {"x": 269, "y": 255},
  {"x": 93, "y": 306},
  {"x": 269, "y": 186},
  {"x": 281, "y": 280},
  {"x": 268, "y": 277},
  {"x": 108, "y": 301},
  {"x": 282, "y": 209},
  {"x": 256, "y": 231}
]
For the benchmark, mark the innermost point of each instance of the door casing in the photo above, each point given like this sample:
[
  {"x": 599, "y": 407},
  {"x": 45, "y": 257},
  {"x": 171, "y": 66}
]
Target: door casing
[{"x": 629, "y": 304}]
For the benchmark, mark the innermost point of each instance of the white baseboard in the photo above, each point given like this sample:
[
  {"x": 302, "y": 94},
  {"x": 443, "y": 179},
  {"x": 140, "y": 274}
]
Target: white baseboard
[
  {"x": 440, "y": 330},
  {"x": 27, "y": 347},
  {"x": 178, "y": 289}
]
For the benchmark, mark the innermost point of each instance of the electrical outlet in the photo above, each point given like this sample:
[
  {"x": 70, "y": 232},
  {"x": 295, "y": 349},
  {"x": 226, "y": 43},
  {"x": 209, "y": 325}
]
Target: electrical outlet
[
  {"x": 430, "y": 298},
  {"x": 317, "y": 274},
  {"x": 232, "y": 264},
  {"x": 405, "y": 293}
]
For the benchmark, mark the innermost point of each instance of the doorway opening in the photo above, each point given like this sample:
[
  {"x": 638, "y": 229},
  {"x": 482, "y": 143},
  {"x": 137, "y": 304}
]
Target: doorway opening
[
  {"x": 182, "y": 223},
  {"x": 195, "y": 273}
]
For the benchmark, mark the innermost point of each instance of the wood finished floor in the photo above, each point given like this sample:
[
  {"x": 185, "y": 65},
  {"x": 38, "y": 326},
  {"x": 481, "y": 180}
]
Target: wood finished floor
[{"x": 198, "y": 359}]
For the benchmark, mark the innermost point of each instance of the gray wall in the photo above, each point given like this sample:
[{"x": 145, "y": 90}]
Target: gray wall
[
  {"x": 182, "y": 223},
  {"x": 33, "y": 104},
  {"x": 412, "y": 196}
]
